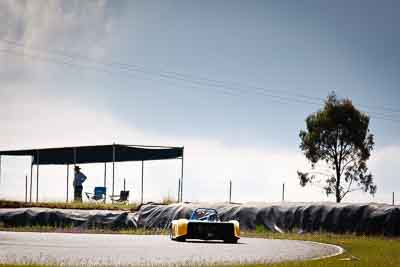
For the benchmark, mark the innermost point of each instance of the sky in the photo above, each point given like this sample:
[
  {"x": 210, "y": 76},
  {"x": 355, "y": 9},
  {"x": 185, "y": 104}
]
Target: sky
[{"x": 231, "y": 81}]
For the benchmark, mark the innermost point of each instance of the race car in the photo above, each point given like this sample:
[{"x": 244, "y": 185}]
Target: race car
[{"x": 204, "y": 224}]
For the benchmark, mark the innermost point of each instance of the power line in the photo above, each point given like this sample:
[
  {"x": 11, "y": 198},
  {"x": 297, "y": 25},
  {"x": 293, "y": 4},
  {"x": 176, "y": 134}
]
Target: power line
[
  {"x": 184, "y": 76},
  {"x": 230, "y": 90},
  {"x": 223, "y": 90},
  {"x": 95, "y": 68},
  {"x": 164, "y": 75}
]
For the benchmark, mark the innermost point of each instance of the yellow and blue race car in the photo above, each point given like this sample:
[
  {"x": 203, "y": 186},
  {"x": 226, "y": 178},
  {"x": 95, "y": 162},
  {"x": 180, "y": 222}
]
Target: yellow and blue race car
[{"x": 205, "y": 224}]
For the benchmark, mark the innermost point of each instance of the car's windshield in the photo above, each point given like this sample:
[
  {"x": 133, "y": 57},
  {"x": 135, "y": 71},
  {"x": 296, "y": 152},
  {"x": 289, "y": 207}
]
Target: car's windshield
[{"x": 205, "y": 215}]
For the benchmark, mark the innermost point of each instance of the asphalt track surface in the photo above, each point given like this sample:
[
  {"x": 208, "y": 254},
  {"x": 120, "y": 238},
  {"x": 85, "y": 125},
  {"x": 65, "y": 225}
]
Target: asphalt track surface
[{"x": 134, "y": 250}]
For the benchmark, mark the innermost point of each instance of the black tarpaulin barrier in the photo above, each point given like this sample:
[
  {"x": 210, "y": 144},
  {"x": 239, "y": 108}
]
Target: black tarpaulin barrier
[
  {"x": 363, "y": 219},
  {"x": 366, "y": 219},
  {"x": 67, "y": 218},
  {"x": 96, "y": 154}
]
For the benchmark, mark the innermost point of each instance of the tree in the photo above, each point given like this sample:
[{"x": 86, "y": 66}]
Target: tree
[{"x": 338, "y": 135}]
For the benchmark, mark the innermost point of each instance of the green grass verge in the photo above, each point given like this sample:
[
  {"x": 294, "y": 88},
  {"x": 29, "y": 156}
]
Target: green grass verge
[{"x": 368, "y": 251}]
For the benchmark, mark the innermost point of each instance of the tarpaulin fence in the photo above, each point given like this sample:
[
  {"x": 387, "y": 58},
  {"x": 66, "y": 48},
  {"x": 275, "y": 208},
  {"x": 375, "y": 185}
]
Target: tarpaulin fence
[
  {"x": 376, "y": 219},
  {"x": 66, "y": 218}
]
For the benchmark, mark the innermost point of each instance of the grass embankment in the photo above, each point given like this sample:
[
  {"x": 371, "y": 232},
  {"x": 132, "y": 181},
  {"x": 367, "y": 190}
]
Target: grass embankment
[
  {"x": 360, "y": 251},
  {"x": 70, "y": 205}
]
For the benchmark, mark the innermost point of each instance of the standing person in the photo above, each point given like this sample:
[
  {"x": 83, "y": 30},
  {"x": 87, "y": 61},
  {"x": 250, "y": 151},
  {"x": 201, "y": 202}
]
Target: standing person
[{"x": 79, "y": 179}]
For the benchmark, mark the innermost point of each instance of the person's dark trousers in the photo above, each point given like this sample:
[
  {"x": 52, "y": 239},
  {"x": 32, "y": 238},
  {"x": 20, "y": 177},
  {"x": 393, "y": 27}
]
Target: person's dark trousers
[{"x": 78, "y": 193}]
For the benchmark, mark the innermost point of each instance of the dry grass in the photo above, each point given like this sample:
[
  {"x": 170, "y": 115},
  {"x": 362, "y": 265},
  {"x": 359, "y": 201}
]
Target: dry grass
[
  {"x": 77, "y": 205},
  {"x": 70, "y": 205},
  {"x": 168, "y": 200}
]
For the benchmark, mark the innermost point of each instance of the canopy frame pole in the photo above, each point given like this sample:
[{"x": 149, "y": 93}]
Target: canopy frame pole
[
  {"x": 74, "y": 149},
  {"x": 26, "y": 188},
  {"x": 141, "y": 195},
  {"x": 37, "y": 175},
  {"x": 113, "y": 171},
  {"x": 74, "y": 152},
  {"x": 105, "y": 179},
  {"x": 67, "y": 183},
  {"x": 182, "y": 176},
  {"x": 30, "y": 184}
]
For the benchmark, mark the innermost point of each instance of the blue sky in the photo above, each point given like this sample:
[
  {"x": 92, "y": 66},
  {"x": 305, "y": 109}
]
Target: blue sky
[{"x": 287, "y": 49}]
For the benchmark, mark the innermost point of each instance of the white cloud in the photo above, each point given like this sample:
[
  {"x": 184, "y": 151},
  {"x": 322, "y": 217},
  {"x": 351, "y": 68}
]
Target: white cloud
[
  {"x": 383, "y": 165},
  {"x": 59, "y": 23},
  {"x": 68, "y": 27}
]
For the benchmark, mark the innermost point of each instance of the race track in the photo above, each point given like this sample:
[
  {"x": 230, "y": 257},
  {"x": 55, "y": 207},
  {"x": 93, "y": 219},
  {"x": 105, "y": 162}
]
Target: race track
[{"x": 99, "y": 249}]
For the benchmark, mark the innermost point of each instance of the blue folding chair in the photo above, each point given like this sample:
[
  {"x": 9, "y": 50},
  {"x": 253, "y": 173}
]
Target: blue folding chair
[{"x": 98, "y": 194}]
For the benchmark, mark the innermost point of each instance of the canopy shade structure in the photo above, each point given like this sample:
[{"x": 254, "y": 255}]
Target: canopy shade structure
[{"x": 97, "y": 154}]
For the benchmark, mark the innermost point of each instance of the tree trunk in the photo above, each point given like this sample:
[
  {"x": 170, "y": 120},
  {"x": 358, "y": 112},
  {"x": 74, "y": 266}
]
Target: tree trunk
[
  {"x": 338, "y": 196},
  {"x": 337, "y": 186},
  {"x": 338, "y": 199}
]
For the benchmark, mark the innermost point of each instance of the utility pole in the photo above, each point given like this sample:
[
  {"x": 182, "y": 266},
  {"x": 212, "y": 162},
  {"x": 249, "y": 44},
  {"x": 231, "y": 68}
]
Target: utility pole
[
  {"x": 179, "y": 190},
  {"x": 283, "y": 192},
  {"x": 230, "y": 191},
  {"x": 393, "y": 198},
  {"x": 182, "y": 176},
  {"x": 37, "y": 176}
]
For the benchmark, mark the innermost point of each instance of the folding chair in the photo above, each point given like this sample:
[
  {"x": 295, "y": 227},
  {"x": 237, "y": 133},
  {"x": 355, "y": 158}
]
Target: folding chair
[
  {"x": 122, "y": 197},
  {"x": 98, "y": 194}
]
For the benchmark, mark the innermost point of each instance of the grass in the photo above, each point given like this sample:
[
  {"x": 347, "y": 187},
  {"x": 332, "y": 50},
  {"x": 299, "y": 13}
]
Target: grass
[
  {"x": 77, "y": 205},
  {"x": 166, "y": 200},
  {"x": 360, "y": 251},
  {"x": 70, "y": 205}
]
